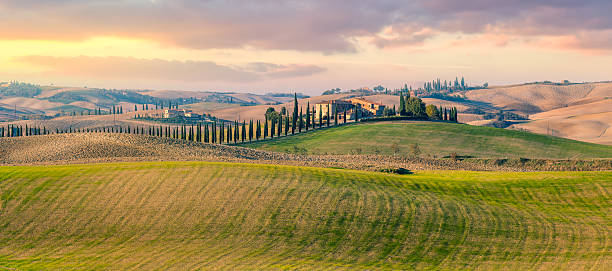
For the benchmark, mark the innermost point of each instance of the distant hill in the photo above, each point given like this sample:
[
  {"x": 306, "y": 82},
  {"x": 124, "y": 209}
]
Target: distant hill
[
  {"x": 435, "y": 139},
  {"x": 576, "y": 111},
  {"x": 55, "y": 100}
]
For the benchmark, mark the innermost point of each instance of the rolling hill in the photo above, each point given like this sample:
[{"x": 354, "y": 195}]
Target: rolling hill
[
  {"x": 195, "y": 215},
  {"x": 435, "y": 139}
]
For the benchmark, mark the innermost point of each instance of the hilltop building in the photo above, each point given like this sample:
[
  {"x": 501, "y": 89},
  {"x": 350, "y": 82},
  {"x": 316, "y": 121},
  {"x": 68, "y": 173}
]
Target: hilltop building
[
  {"x": 352, "y": 106},
  {"x": 173, "y": 113},
  {"x": 374, "y": 108}
]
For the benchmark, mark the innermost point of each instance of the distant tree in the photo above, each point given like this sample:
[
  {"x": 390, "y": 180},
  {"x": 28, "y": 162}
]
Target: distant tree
[
  {"x": 221, "y": 132},
  {"x": 214, "y": 132},
  {"x": 301, "y": 121},
  {"x": 308, "y": 116},
  {"x": 313, "y": 118},
  {"x": 335, "y": 114},
  {"x": 320, "y": 116},
  {"x": 279, "y": 132},
  {"x": 445, "y": 114},
  {"x": 344, "y": 116},
  {"x": 328, "y": 115},
  {"x": 271, "y": 114},
  {"x": 237, "y": 132},
  {"x": 416, "y": 107},
  {"x": 402, "y": 105},
  {"x": 432, "y": 112},
  {"x": 147, "y": 107},
  {"x": 286, "y": 124},
  {"x": 462, "y": 83},
  {"x": 258, "y": 130},
  {"x": 243, "y": 135},
  {"x": 206, "y": 134},
  {"x": 295, "y": 114},
  {"x": 485, "y": 85},
  {"x": 266, "y": 129},
  {"x": 251, "y": 130}
]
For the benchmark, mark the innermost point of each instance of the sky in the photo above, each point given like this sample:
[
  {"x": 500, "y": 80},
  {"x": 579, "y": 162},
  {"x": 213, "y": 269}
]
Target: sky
[{"x": 302, "y": 46}]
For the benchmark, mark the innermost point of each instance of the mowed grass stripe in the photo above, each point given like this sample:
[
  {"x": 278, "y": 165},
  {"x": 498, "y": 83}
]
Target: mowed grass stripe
[{"x": 188, "y": 215}]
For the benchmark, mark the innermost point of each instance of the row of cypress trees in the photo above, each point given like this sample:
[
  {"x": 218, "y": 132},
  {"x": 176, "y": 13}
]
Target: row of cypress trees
[{"x": 223, "y": 132}]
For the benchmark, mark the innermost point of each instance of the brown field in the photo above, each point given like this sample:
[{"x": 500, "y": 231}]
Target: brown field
[
  {"x": 589, "y": 122},
  {"x": 535, "y": 98}
]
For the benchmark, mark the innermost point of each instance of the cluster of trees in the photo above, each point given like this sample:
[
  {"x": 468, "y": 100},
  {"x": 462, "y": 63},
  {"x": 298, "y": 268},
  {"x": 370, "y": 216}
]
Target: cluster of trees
[
  {"x": 438, "y": 85},
  {"x": 19, "y": 89},
  {"x": 433, "y": 86},
  {"x": 416, "y": 108}
]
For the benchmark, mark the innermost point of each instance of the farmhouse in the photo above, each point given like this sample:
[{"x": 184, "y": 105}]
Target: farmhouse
[
  {"x": 173, "y": 113},
  {"x": 352, "y": 106},
  {"x": 374, "y": 108}
]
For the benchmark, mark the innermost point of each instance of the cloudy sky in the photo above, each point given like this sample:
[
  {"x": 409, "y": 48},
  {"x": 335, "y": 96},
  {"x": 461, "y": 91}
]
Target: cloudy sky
[{"x": 305, "y": 46}]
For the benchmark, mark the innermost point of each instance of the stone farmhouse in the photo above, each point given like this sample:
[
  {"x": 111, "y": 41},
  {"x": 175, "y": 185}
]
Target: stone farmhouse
[{"x": 351, "y": 106}]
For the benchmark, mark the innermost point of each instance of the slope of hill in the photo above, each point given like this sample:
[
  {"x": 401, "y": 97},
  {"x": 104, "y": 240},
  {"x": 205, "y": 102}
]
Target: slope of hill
[
  {"x": 194, "y": 215},
  {"x": 588, "y": 122},
  {"x": 435, "y": 139},
  {"x": 535, "y": 98},
  {"x": 106, "y": 146}
]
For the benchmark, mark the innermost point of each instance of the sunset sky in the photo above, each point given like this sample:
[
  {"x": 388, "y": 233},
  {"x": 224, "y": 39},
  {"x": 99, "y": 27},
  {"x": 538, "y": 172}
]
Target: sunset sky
[{"x": 305, "y": 46}]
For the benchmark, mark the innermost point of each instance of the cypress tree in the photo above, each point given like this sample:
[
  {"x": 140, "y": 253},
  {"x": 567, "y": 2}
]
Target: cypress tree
[
  {"x": 221, "y": 133},
  {"x": 335, "y": 114},
  {"x": 206, "y": 134},
  {"x": 402, "y": 105},
  {"x": 327, "y": 118},
  {"x": 244, "y": 133},
  {"x": 279, "y": 125},
  {"x": 286, "y": 125},
  {"x": 265, "y": 131},
  {"x": 320, "y": 116},
  {"x": 344, "y": 117},
  {"x": 295, "y": 113},
  {"x": 251, "y": 130},
  {"x": 236, "y": 131},
  {"x": 301, "y": 121},
  {"x": 308, "y": 116},
  {"x": 258, "y": 130},
  {"x": 213, "y": 133},
  {"x": 313, "y": 118}
]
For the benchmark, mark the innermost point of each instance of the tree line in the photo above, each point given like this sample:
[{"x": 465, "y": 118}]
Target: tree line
[{"x": 275, "y": 124}]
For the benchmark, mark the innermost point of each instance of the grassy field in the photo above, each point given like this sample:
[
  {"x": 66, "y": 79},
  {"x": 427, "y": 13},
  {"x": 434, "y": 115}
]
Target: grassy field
[
  {"x": 186, "y": 215},
  {"x": 434, "y": 139}
]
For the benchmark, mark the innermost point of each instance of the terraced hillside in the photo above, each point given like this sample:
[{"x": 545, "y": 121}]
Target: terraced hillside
[
  {"x": 187, "y": 215},
  {"x": 435, "y": 139}
]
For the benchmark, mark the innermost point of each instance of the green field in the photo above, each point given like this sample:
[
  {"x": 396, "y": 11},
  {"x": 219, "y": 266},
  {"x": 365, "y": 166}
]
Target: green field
[
  {"x": 434, "y": 139},
  {"x": 186, "y": 215}
]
